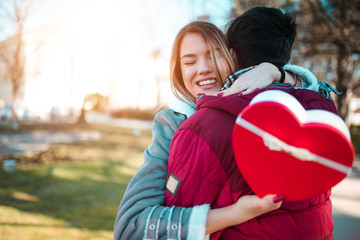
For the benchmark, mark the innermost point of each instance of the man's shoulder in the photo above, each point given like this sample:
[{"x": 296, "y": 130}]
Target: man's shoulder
[{"x": 312, "y": 100}]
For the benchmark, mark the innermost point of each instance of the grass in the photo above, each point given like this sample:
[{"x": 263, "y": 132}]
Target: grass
[{"x": 71, "y": 191}]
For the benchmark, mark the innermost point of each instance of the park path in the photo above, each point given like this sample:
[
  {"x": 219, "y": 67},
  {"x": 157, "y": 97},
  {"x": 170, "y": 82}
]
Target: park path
[
  {"x": 346, "y": 205},
  {"x": 94, "y": 117},
  {"x": 29, "y": 143}
]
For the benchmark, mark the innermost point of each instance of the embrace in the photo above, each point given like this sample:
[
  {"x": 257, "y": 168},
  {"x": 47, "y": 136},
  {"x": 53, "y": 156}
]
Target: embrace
[{"x": 189, "y": 186}]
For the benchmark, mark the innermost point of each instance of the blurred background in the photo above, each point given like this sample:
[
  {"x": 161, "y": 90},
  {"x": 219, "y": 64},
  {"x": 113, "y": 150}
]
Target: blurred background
[
  {"x": 81, "y": 80},
  {"x": 57, "y": 57}
]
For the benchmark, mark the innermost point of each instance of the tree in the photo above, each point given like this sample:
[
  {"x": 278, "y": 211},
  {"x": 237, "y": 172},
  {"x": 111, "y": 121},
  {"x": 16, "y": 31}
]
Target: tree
[
  {"x": 244, "y": 5},
  {"x": 15, "y": 13},
  {"x": 156, "y": 55},
  {"x": 330, "y": 30},
  {"x": 328, "y": 41}
]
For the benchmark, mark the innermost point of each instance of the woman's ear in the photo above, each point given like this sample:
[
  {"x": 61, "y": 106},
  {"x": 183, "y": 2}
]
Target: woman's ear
[{"x": 234, "y": 57}]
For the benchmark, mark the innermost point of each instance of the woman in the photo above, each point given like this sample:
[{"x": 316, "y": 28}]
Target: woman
[{"x": 199, "y": 54}]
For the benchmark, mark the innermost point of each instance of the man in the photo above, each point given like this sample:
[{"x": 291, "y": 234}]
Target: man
[{"x": 201, "y": 162}]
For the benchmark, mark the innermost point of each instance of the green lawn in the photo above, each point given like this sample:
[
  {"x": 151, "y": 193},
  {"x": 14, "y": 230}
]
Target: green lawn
[{"x": 72, "y": 191}]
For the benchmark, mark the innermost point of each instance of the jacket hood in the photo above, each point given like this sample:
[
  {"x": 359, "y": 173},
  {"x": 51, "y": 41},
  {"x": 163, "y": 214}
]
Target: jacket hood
[{"x": 233, "y": 104}]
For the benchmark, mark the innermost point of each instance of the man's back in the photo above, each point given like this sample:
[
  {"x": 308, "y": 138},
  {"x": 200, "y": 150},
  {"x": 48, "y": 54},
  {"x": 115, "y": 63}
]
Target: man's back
[{"x": 201, "y": 157}]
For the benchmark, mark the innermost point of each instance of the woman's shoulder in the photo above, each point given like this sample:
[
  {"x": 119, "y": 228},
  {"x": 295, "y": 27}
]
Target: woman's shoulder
[{"x": 169, "y": 117}]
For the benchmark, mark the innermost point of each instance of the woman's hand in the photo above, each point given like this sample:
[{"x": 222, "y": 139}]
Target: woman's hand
[
  {"x": 246, "y": 208},
  {"x": 258, "y": 78},
  {"x": 251, "y": 206}
]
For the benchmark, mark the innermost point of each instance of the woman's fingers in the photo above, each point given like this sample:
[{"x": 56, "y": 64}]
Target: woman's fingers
[
  {"x": 237, "y": 89},
  {"x": 258, "y": 78},
  {"x": 234, "y": 89},
  {"x": 261, "y": 205}
]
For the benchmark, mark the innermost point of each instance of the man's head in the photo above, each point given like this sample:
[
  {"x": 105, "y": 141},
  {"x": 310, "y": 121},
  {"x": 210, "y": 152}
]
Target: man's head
[{"x": 262, "y": 34}]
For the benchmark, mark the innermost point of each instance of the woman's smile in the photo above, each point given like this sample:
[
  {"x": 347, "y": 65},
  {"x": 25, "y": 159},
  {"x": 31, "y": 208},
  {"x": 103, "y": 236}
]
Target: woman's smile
[{"x": 206, "y": 82}]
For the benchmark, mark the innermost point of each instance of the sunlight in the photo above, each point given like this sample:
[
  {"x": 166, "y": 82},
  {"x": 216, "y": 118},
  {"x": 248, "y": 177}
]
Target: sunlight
[
  {"x": 78, "y": 47},
  {"x": 24, "y": 196},
  {"x": 345, "y": 201},
  {"x": 98, "y": 46},
  {"x": 17, "y": 224}
]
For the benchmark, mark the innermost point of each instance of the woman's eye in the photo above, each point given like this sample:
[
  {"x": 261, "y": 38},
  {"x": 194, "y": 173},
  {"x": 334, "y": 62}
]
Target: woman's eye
[
  {"x": 189, "y": 62},
  {"x": 218, "y": 55}
]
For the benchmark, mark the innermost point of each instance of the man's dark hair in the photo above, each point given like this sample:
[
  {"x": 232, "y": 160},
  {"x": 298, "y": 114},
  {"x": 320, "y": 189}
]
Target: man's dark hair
[{"x": 262, "y": 34}]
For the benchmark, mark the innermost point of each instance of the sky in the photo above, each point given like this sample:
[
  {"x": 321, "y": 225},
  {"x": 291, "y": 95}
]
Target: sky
[{"x": 78, "y": 47}]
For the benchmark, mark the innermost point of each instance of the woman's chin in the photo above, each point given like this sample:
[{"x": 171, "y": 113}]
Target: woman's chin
[{"x": 209, "y": 90}]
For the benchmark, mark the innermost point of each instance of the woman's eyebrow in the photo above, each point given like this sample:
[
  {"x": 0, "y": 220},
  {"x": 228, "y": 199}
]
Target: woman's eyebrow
[
  {"x": 187, "y": 55},
  {"x": 191, "y": 55}
]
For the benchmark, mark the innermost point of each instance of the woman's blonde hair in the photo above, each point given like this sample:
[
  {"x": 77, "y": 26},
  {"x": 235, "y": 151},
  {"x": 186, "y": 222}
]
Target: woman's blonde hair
[{"x": 217, "y": 44}]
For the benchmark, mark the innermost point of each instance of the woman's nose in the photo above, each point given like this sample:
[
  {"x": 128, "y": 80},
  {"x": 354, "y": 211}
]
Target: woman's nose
[{"x": 205, "y": 66}]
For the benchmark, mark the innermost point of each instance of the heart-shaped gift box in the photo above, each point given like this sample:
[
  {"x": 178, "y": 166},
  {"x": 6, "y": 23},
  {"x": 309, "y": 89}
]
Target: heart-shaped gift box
[{"x": 282, "y": 149}]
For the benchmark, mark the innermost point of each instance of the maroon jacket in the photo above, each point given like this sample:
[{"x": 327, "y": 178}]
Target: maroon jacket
[{"x": 202, "y": 162}]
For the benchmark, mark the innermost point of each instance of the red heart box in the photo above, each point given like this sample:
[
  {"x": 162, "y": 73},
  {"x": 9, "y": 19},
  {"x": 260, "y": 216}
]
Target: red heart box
[{"x": 282, "y": 149}]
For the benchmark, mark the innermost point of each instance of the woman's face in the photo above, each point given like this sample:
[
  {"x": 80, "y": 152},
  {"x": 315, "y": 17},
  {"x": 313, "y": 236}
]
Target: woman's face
[{"x": 197, "y": 68}]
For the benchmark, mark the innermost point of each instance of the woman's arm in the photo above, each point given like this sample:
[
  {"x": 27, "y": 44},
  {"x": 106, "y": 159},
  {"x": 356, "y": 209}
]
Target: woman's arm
[
  {"x": 246, "y": 208},
  {"x": 266, "y": 73},
  {"x": 259, "y": 77},
  {"x": 140, "y": 213}
]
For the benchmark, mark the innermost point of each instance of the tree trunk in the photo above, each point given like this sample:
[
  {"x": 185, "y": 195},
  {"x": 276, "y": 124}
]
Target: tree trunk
[
  {"x": 82, "y": 119},
  {"x": 342, "y": 100},
  {"x": 158, "y": 87}
]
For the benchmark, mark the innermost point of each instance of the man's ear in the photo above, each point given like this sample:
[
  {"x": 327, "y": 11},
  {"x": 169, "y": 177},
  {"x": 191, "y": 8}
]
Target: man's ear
[{"x": 234, "y": 57}]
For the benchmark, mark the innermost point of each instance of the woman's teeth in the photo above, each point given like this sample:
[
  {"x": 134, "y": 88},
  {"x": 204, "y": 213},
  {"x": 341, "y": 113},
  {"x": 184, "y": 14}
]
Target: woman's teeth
[{"x": 202, "y": 83}]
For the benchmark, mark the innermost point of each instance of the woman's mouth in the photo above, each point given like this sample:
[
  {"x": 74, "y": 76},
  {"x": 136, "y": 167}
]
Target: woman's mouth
[{"x": 206, "y": 82}]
